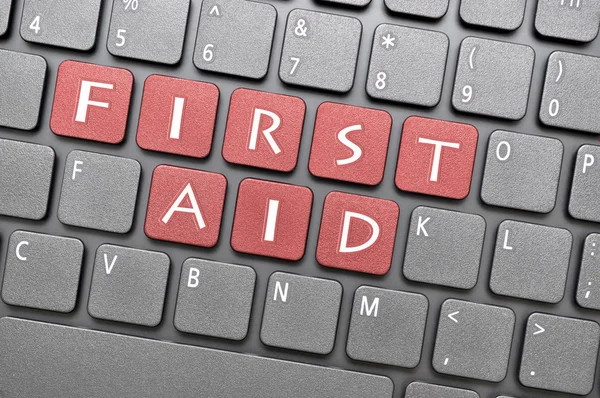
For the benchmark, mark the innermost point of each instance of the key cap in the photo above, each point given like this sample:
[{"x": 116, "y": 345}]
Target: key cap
[
  {"x": 320, "y": 50},
  {"x": 576, "y": 20},
  {"x": 22, "y": 85},
  {"x": 505, "y": 15},
  {"x": 5, "y": 6},
  {"x": 25, "y": 178},
  {"x": 435, "y": 254},
  {"x": 560, "y": 354},
  {"x": 99, "y": 191},
  {"x": 493, "y": 78},
  {"x": 428, "y": 8},
  {"x": 128, "y": 285},
  {"x": 424, "y": 390},
  {"x": 531, "y": 261},
  {"x": 125, "y": 366},
  {"x": 522, "y": 171},
  {"x": 42, "y": 271},
  {"x": 358, "y": 3},
  {"x": 589, "y": 278},
  {"x": 235, "y": 37},
  {"x": 301, "y": 313},
  {"x": 407, "y": 65},
  {"x": 214, "y": 299},
  {"x": 375, "y": 334},
  {"x": 61, "y": 23},
  {"x": 585, "y": 190},
  {"x": 473, "y": 340}
]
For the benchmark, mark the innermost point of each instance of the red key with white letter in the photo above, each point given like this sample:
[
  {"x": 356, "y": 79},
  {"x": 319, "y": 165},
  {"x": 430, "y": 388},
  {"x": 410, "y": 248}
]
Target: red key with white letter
[
  {"x": 436, "y": 157},
  {"x": 91, "y": 102},
  {"x": 271, "y": 219},
  {"x": 357, "y": 233}
]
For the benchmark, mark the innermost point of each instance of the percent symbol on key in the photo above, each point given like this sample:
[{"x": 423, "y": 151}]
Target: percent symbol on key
[{"x": 131, "y": 4}]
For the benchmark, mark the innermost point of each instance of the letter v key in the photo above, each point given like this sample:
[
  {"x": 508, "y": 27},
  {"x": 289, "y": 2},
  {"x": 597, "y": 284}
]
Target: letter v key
[{"x": 112, "y": 264}]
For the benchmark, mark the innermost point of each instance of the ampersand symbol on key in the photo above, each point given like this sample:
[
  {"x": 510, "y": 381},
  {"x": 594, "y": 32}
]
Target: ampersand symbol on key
[{"x": 300, "y": 28}]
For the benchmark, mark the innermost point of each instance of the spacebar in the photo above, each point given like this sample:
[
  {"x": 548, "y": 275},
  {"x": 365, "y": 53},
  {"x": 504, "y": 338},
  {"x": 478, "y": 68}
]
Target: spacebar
[{"x": 45, "y": 360}]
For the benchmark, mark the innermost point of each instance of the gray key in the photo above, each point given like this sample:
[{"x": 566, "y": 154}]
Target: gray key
[
  {"x": 91, "y": 364},
  {"x": 22, "y": 85},
  {"x": 571, "y": 94},
  {"x": 25, "y": 178},
  {"x": 128, "y": 285},
  {"x": 506, "y": 15},
  {"x": 560, "y": 354},
  {"x": 588, "y": 294},
  {"x": 473, "y": 340},
  {"x": 444, "y": 247},
  {"x": 424, "y": 390},
  {"x": 62, "y": 23},
  {"x": 42, "y": 271},
  {"x": 522, "y": 171},
  {"x": 531, "y": 261},
  {"x": 585, "y": 191},
  {"x": 214, "y": 299},
  {"x": 301, "y": 313},
  {"x": 493, "y": 78},
  {"x": 387, "y": 327},
  {"x": 99, "y": 191},
  {"x": 407, "y": 65},
  {"x": 235, "y": 37},
  {"x": 421, "y": 8},
  {"x": 568, "y": 19},
  {"x": 358, "y": 3},
  {"x": 148, "y": 30},
  {"x": 320, "y": 50},
  {"x": 5, "y": 6}
]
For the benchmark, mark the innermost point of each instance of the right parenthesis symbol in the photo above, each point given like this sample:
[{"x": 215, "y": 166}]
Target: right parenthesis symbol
[{"x": 560, "y": 70}]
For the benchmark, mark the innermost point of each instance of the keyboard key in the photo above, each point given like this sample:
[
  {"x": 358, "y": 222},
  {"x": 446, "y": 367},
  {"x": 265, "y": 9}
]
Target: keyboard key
[
  {"x": 152, "y": 31},
  {"x": 301, "y": 313},
  {"x": 42, "y": 271},
  {"x": 473, "y": 340},
  {"x": 22, "y": 85},
  {"x": 407, "y": 65},
  {"x": 5, "y": 6},
  {"x": 99, "y": 191},
  {"x": 358, "y": 3},
  {"x": 357, "y": 233},
  {"x": 436, "y": 157},
  {"x": 576, "y": 20},
  {"x": 235, "y": 37},
  {"x": 426, "y": 8},
  {"x": 128, "y": 285},
  {"x": 271, "y": 219},
  {"x": 531, "y": 261},
  {"x": 585, "y": 190},
  {"x": 493, "y": 78},
  {"x": 124, "y": 366},
  {"x": 560, "y": 354},
  {"x": 424, "y": 390},
  {"x": 214, "y": 299},
  {"x": 376, "y": 335},
  {"x": 177, "y": 116},
  {"x": 505, "y": 15},
  {"x": 320, "y": 50},
  {"x": 185, "y": 206},
  {"x": 435, "y": 255},
  {"x": 91, "y": 102},
  {"x": 589, "y": 276},
  {"x": 522, "y": 171},
  {"x": 350, "y": 143},
  {"x": 61, "y": 23},
  {"x": 264, "y": 130}
]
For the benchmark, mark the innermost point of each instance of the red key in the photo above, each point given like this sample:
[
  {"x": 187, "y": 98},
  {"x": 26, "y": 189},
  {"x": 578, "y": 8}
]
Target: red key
[
  {"x": 350, "y": 143},
  {"x": 271, "y": 219},
  {"x": 436, "y": 157},
  {"x": 264, "y": 130},
  {"x": 91, "y": 102},
  {"x": 177, "y": 116},
  {"x": 357, "y": 233},
  {"x": 185, "y": 206}
]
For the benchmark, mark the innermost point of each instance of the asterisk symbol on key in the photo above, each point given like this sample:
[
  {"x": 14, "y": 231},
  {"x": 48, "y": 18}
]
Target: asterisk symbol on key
[{"x": 388, "y": 41}]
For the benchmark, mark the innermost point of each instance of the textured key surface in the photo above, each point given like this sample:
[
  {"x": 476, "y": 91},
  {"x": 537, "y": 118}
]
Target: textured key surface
[
  {"x": 320, "y": 50},
  {"x": 473, "y": 340},
  {"x": 435, "y": 255},
  {"x": 493, "y": 78},
  {"x": 214, "y": 299},
  {"x": 576, "y": 20},
  {"x": 62, "y": 23},
  {"x": 235, "y": 37},
  {"x": 522, "y": 171},
  {"x": 5, "y": 6},
  {"x": 585, "y": 188},
  {"x": 34, "y": 352},
  {"x": 42, "y": 271},
  {"x": 506, "y": 15},
  {"x": 407, "y": 65},
  {"x": 560, "y": 354},
  {"x": 588, "y": 295},
  {"x": 424, "y": 390},
  {"x": 148, "y": 30},
  {"x": 360, "y": 3},
  {"x": 99, "y": 191},
  {"x": 425, "y": 8}
]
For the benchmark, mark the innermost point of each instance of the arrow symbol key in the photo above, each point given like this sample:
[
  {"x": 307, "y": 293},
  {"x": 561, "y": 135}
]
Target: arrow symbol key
[
  {"x": 452, "y": 316},
  {"x": 539, "y": 330}
]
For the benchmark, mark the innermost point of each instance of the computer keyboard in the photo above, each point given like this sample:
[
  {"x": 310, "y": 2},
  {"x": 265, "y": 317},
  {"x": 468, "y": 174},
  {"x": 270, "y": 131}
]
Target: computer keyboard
[{"x": 298, "y": 198}]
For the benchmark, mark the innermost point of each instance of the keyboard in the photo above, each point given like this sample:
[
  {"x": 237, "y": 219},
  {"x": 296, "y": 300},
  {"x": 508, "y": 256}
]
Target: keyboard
[{"x": 287, "y": 198}]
